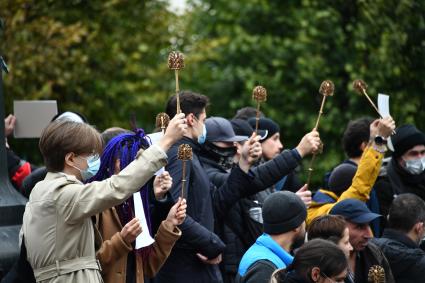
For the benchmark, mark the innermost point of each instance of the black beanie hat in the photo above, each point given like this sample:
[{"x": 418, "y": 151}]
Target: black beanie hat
[
  {"x": 406, "y": 137},
  {"x": 282, "y": 212},
  {"x": 341, "y": 178},
  {"x": 266, "y": 124}
]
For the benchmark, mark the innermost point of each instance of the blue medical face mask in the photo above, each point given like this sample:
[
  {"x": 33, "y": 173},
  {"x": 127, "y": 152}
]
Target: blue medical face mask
[
  {"x": 93, "y": 164},
  {"x": 202, "y": 137}
]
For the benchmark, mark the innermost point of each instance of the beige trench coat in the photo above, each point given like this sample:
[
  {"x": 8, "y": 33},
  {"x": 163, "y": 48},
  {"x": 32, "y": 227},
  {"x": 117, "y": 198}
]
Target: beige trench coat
[{"x": 57, "y": 225}]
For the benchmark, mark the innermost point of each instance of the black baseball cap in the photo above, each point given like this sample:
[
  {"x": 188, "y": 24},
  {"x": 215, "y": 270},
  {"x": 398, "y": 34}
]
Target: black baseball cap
[
  {"x": 220, "y": 130},
  {"x": 243, "y": 128},
  {"x": 354, "y": 211}
]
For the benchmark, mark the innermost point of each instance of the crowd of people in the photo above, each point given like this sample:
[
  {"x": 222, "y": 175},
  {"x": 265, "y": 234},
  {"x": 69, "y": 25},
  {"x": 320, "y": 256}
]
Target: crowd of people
[{"x": 236, "y": 212}]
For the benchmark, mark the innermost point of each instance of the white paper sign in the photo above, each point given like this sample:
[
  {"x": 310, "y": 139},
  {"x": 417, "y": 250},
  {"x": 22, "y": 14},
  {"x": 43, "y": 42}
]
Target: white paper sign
[
  {"x": 155, "y": 137},
  {"x": 144, "y": 239},
  {"x": 384, "y": 105},
  {"x": 384, "y": 109}
]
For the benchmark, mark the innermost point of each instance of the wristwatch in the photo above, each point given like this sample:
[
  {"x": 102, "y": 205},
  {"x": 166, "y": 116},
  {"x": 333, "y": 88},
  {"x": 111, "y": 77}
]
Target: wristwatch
[
  {"x": 380, "y": 140},
  {"x": 380, "y": 144}
]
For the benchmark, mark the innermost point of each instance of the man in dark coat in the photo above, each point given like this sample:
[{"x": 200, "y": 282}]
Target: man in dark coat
[
  {"x": 365, "y": 254},
  {"x": 400, "y": 241},
  {"x": 196, "y": 256},
  {"x": 405, "y": 171},
  {"x": 243, "y": 223}
]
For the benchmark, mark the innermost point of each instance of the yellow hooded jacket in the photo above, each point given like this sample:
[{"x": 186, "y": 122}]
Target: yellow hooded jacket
[{"x": 363, "y": 181}]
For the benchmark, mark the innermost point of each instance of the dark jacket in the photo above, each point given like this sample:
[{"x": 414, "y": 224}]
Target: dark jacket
[
  {"x": 370, "y": 256},
  {"x": 394, "y": 181},
  {"x": 260, "y": 272},
  {"x": 32, "y": 179},
  {"x": 292, "y": 277},
  {"x": 206, "y": 204},
  {"x": 406, "y": 259},
  {"x": 240, "y": 230}
]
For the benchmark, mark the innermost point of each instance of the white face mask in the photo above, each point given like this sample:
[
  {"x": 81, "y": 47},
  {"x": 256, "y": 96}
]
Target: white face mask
[{"x": 415, "y": 166}]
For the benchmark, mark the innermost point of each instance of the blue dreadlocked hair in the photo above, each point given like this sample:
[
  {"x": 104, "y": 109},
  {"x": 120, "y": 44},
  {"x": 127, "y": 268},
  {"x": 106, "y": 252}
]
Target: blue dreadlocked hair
[{"x": 125, "y": 147}]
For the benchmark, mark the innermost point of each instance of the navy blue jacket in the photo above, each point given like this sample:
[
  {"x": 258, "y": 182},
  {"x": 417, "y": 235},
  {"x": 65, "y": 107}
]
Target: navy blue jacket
[
  {"x": 206, "y": 204},
  {"x": 406, "y": 259},
  {"x": 240, "y": 231}
]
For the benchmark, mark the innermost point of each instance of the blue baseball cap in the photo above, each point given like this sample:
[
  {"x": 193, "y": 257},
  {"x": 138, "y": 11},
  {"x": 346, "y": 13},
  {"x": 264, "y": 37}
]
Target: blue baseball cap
[{"x": 354, "y": 211}]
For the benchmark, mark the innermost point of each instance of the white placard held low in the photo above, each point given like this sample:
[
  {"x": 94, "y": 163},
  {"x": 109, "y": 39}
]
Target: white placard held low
[
  {"x": 144, "y": 239},
  {"x": 155, "y": 137}
]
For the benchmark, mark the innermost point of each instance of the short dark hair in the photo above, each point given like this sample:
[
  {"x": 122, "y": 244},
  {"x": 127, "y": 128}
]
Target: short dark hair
[
  {"x": 246, "y": 113},
  {"x": 406, "y": 210},
  {"x": 327, "y": 227},
  {"x": 357, "y": 132},
  {"x": 325, "y": 255},
  {"x": 190, "y": 102},
  {"x": 61, "y": 137},
  {"x": 110, "y": 133}
]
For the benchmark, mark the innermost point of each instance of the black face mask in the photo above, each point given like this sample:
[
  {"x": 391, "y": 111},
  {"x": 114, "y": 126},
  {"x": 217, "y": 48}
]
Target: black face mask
[{"x": 223, "y": 156}]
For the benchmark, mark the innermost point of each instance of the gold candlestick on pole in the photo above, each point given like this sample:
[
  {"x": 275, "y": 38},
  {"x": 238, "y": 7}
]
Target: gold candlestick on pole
[
  {"x": 376, "y": 274},
  {"x": 162, "y": 120},
  {"x": 176, "y": 63},
  {"x": 326, "y": 89},
  {"x": 361, "y": 87},
  {"x": 184, "y": 154},
  {"x": 259, "y": 94}
]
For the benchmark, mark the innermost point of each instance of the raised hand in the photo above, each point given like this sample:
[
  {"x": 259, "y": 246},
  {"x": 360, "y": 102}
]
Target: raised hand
[
  {"x": 177, "y": 213},
  {"x": 162, "y": 184},
  {"x": 251, "y": 152},
  {"x": 175, "y": 131},
  {"x": 305, "y": 195},
  {"x": 309, "y": 144},
  {"x": 9, "y": 124},
  {"x": 386, "y": 127},
  {"x": 131, "y": 230}
]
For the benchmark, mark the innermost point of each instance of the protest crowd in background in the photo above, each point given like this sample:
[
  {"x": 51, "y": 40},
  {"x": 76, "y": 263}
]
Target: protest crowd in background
[{"x": 120, "y": 206}]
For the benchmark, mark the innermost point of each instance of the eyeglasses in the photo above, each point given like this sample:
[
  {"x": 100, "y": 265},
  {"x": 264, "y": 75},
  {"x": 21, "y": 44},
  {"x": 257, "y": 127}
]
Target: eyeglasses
[{"x": 340, "y": 280}]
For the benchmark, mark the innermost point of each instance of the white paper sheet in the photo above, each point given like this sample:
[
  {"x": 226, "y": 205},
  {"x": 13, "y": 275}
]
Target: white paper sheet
[
  {"x": 155, "y": 137},
  {"x": 384, "y": 109},
  {"x": 144, "y": 239},
  {"x": 384, "y": 105}
]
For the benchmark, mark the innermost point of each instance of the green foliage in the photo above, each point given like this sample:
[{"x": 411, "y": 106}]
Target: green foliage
[
  {"x": 290, "y": 47},
  {"x": 107, "y": 59}
]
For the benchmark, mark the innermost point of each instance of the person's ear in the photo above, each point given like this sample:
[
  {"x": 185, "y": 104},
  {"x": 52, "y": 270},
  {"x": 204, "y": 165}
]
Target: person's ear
[
  {"x": 363, "y": 146},
  {"x": 70, "y": 159},
  {"x": 419, "y": 229},
  {"x": 190, "y": 118},
  {"x": 315, "y": 274}
]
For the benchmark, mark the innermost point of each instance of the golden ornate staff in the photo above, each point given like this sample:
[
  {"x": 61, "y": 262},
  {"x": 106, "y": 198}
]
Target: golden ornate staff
[
  {"x": 259, "y": 94},
  {"x": 176, "y": 63},
  {"x": 376, "y": 274},
  {"x": 162, "y": 120},
  {"x": 360, "y": 86},
  {"x": 184, "y": 154},
  {"x": 326, "y": 89}
]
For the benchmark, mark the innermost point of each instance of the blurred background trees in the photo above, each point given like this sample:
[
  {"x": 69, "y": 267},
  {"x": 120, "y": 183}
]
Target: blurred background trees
[{"x": 107, "y": 60}]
